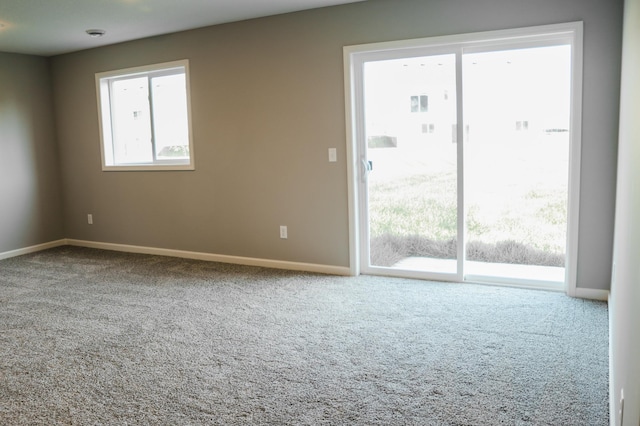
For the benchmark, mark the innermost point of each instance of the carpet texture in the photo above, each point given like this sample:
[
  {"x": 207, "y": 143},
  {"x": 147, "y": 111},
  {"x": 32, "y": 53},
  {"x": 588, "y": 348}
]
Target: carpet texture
[{"x": 97, "y": 337}]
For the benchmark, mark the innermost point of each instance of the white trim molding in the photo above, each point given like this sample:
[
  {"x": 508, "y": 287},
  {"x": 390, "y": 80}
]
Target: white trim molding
[
  {"x": 210, "y": 257},
  {"x": 591, "y": 293},
  {"x": 32, "y": 249}
]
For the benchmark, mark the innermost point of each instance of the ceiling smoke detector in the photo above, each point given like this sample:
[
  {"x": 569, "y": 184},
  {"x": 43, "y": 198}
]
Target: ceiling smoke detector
[{"x": 96, "y": 33}]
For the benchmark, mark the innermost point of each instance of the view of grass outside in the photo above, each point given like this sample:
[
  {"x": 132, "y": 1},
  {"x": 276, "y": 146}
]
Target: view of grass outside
[
  {"x": 516, "y": 195},
  {"x": 515, "y": 165}
]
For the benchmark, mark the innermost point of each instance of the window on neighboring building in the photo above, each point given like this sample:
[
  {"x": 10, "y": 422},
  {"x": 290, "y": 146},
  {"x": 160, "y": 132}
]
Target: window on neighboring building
[
  {"x": 145, "y": 119},
  {"x": 419, "y": 103}
]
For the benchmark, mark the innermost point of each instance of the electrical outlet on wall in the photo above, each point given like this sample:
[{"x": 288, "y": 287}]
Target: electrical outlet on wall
[
  {"x": 90, "y": 219},
  {"x": 283, "y": 232}
]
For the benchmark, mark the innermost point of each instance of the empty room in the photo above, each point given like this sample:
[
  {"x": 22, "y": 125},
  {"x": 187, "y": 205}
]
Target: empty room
[{"x": 380, "y": 212}]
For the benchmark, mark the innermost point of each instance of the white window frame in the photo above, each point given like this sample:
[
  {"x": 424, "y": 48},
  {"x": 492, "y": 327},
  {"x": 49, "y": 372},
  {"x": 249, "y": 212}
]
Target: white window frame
[{"x": 103, "y": 83}]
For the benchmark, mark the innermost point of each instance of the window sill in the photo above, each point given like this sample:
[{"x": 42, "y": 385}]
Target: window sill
[{"x": 149, "y": 168}]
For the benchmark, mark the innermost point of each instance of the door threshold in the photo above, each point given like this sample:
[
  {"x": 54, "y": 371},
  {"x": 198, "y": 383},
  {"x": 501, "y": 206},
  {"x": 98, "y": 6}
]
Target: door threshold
[{"x": 547, "y": 277}]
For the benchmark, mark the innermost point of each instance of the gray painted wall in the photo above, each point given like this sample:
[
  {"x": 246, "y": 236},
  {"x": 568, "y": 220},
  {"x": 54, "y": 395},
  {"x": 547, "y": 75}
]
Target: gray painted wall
[
  {"x": 625, "y": 288},
  {"x": 30, "y": 195},
  {"x": 268, "y": 101}
]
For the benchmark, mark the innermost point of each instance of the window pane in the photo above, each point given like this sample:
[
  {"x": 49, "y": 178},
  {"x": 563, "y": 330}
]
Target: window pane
[
  {"x": 412, "y": 188},
  {"x": 131, "y": 121},
  {"x": 171, "y": 128},
  {"x": 414, "y": 104},
  {"x": 424, "y": 103},
  {"x": 517, "y": 155}
]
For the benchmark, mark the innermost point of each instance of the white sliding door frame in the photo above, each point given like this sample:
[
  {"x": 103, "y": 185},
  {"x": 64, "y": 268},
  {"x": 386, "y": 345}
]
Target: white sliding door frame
[{"x": 547, "y": 35}]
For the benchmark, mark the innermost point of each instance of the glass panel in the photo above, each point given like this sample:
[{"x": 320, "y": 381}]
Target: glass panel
[
  {"x": 130, "y": 120},
  {"x": 410, "y": 118},
  {"x": 170, "y": 117},
  {"x": 517, "y": 113}
]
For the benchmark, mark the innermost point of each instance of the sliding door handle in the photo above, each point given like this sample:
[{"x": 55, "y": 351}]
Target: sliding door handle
[{"x": 367, "y": 166}]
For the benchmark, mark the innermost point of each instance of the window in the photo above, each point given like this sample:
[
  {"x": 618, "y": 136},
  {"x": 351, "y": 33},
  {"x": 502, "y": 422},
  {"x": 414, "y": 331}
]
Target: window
[
  {"x": 144, "y": 115},
  {"x": 419, "y": 103}
]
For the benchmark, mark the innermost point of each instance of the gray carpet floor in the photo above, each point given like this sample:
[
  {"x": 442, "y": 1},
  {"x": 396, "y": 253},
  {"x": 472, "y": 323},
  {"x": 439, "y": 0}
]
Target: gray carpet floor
[{"x": 96, "y": 337}]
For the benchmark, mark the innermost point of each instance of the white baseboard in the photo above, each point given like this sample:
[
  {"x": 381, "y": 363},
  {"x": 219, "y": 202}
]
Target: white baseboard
[
  {"x": 590, "y": 293},
  {"x": 237, "y": 260},
  {"x": 32, "y": 249},
  {"x": 612, "y": 401}
]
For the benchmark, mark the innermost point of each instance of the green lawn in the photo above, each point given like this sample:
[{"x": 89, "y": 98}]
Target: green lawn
[{"x": 515, "y": 193}]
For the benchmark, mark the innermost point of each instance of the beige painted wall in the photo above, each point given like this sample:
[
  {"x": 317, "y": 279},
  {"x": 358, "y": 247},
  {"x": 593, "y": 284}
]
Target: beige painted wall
[
  {"x": 268, "y": 101},
  {"x": 30, "y": 194}
]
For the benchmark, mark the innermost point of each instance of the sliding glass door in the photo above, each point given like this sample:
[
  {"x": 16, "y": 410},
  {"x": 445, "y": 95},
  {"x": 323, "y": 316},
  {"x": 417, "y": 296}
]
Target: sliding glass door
[
  {"x": 517, "y": 133},
  {"x": 463, "y": 156},
  {"x": 411, "y": 161}
]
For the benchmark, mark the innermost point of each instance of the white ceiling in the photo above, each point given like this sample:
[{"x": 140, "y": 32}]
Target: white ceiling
[{"x": 51, "y": 27}]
